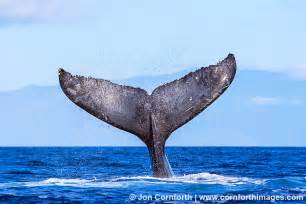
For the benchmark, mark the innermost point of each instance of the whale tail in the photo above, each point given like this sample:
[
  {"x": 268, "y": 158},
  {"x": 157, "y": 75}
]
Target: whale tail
[{"x": 152, "y": 118}]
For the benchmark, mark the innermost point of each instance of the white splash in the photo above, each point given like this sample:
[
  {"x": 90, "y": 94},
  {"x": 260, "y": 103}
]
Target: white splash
[
  {"x": 208, "y": 178},
  {"x": 123, "y": 182},
  {"x": 73, "y": 183},
  {"x": 200, "y": 178}
]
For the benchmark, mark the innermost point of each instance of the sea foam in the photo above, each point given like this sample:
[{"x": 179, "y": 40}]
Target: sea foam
[{"x": 200, "y": 178}]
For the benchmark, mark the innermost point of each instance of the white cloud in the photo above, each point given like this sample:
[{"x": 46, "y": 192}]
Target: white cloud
[
  {"x": 299, "y": 72},
  {"x": 25, "y": 10},
  {"x": 262, "y": 100},
  {"x": 296, "y": 101},
  {"x": 296, "y": 72}
]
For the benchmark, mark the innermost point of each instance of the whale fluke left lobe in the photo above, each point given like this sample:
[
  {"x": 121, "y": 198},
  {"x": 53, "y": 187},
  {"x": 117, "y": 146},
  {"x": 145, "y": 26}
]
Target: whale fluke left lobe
[{"x": 121, "y": 106}]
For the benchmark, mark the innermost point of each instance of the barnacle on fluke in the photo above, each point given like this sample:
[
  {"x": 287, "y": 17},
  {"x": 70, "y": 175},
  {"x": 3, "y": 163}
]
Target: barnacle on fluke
[{"x": 152, "y": 118}]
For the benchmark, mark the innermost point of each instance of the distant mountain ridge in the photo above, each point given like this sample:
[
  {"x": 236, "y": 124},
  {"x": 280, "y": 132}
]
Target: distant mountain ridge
[{"x": 43, "y": 116}]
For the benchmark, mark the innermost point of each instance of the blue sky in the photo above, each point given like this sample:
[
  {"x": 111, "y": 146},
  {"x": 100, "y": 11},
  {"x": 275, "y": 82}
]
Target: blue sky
[
  {"x": 128, "y": 39},
  {"x": 122, "y": 39}
]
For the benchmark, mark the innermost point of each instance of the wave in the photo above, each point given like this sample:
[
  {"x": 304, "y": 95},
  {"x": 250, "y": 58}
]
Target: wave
[
  {"x": 121, "y": 182},
  {"x": 208, "y": 178},
  {"x": 200, "y": 178},
  {"x": 297, "y": 190},
  {"x": 36, "y": 163},
  {"x": 18, "y": 172}
]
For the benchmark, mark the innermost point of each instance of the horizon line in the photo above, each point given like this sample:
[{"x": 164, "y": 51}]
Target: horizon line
[{"x": 72, "y": 146}]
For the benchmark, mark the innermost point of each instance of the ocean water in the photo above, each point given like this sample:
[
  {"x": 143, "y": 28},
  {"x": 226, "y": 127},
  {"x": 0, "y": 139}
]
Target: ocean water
[{"x": 123, "y": 175}]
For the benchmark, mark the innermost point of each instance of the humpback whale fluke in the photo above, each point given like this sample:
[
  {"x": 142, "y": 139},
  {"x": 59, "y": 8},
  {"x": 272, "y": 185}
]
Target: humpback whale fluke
[{"x": 152, "y": 118}]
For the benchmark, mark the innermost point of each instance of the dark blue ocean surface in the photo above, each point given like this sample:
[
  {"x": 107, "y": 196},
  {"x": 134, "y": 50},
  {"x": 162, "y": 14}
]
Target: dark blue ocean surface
[{"x": 122, "y": 174}]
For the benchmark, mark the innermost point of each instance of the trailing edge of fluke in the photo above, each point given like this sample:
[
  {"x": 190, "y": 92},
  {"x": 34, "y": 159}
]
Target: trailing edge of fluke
[{"x": 152, "y": 118}]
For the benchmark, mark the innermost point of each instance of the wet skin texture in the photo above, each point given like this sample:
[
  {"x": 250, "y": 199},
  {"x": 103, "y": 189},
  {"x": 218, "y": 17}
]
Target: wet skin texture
[{"x": 152, "y": 118}]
